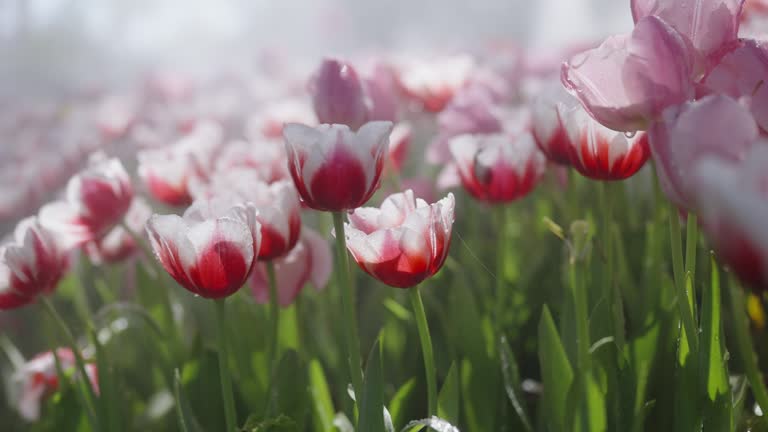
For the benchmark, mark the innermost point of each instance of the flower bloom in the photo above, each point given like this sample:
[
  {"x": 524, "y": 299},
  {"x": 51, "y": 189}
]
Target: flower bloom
[
  {"x": 278, "y": 203},
  {"x": 310, "y": 261},
  {"x": 118, "y": 244},
  {"x": 404, "y": 241},
  {"x": 96, "y": 200},
  {"x": 733, "y": 205},
  {"x": 433, "y": 83},
  {"x": 168, "y": 172},
  {"x": 399, "y": 144},
  {"x": 629, "y": 79},
  {"x": 212, "y": 249},
  {"x": 710, "y": 26},
  {"x": 30, "y": 265},
  {"x": 334, "y": 168},
  {"x": 547, "y": 123},
  {"x": 37, "y": 380},
  {"x": 692, "y": 131},
  {"x": 498, "y": 168},
  {"x": 601, "y": 153},
  {"x": 338, "y": 96}
]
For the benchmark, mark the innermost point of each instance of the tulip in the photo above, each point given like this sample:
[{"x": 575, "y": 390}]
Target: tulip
[
  {"x": 211, "y": 250},
  {"x": 710, "y": 26},
  {"x": 119, "y": 244},
  {"x": 733, "y": 206},
  {"x": 434, "y": 83},
  {"x": 381, "y": 87},
  {"x": 269, "y": 122},
  {"x": 601, "y": 153},
  {"x": 310, "y": 261},
  {"x": 403, "y": 242},
  {"x": 399, "y": 144},
  {"x": 338, "y": 96},
  {"x": 30, "y": 265},
  {"x": 498, "y": 168},
  {"x": 96, "y": 200},
  {"x": 37, "y": 380},
  {"x": 547, "y": 119},
  {"x": 693, "y": 131},
  {"x": 630, "y": 79},
  {"x": 265, "y": 157},
  {"x": 334, "y": 168}
]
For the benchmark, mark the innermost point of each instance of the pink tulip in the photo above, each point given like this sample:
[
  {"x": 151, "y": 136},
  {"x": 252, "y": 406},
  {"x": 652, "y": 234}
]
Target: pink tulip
[
  {"x": 433, "y": 83},
  {"x": 733, "y": 205},
  {"x": 265, "y": 157},
  {"x": 97, "y": 198},
  {"x": 212, "y": 249},
  {"x": 629, "y": 79},
  {"x": 37, "y": 380},
  {"x": 334, "y": 168},
  {"x": 498, "y": 168},
  {"x": 693, "y": 131},
  {"x": 403, "y": 242},
  {"x": 710, "y": 26},
  {"x": 601, "y": 153},
  {"x": 399, "y": 144},
  {"x": 338, "y": 96},
  {"x": 30, "y": 265},
  {"x": 548, "y": 128},
  {"x": 309, "y": 262},
  {"x": 118, "y": 244},
  {"x": 381, "y": 86}
]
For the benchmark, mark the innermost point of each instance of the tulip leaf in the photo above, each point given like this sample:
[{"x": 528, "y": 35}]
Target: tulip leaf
[
  {"x": 400, "y": 401},
  {"x": 512, "y": 387},
  {"x": 321, "y": 398},
  {"x": 187, "y": 421},
  {"x": 556, "y": 372},
  {"x": 372, "y": 401},
  {"x": 448, "y": 399},
  {"x": 718, "y": 414},
  {"x": 289, "y": 392}
]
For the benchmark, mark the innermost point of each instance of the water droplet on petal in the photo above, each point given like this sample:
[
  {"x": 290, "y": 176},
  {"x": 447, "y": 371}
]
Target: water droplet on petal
[{"x": 630, "y": 135}]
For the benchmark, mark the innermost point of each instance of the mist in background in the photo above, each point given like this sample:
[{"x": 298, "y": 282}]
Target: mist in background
[{"x": 50, "y": 45}]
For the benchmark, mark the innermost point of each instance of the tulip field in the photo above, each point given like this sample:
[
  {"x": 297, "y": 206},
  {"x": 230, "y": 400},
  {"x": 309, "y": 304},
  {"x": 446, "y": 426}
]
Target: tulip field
[{"x": 491, "y": 239}]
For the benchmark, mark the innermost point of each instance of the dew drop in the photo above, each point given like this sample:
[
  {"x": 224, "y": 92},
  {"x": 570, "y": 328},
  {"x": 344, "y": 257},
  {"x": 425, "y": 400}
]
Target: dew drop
[{"x": 630, "y": 135}]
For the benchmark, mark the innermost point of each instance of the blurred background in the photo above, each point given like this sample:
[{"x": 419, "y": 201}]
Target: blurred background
[{"x": 49, "y": 45}]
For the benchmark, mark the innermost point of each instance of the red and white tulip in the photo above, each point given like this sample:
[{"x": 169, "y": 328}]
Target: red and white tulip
[{"x": 403, "y": 242}]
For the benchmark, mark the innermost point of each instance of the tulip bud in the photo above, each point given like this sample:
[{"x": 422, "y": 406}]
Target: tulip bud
[{"x": 338, "y": 96}]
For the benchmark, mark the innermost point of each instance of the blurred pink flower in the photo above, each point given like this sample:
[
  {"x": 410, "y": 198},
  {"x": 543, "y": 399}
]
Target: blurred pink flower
[
  {"x": 309, "y": 262},
  {"x": 693, "y": 131},
  {"x": 118, "y": 245},
  {"x": 37, "y": 380},
  {"x": 381, "y": 87},
  {"x": 335, "y": 168},
  {"x": 337, "y": 95},
  {"x": 732, "y": 199},
  {"x": 30, "y": 265},
  {"x": 432, "y": 83},
  {"x": 629, "y": 79},
  {"x": 399, "y": 145},
  {"x": 548, "y": 129},
  {"x": 403, "y": 242},
  {"x": 96, "y": 200},
  {"x": 710, "y": 26},
  {"x": 601, "y": 153},
  {"x": 498, "y": 168},
  {"x": 212, "y": 249}
]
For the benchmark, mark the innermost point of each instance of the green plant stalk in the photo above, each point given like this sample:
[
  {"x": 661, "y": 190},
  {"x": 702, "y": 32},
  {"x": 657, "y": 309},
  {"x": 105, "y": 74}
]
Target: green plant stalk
[
  {"x": 501, "y": 292},
  {"x": 274, "y": 304},
  {"x": 88, "y": 395},
  {"x": 744, "y": 347},
  {"x": 691, "y": 243},
  {"x": 350, "y": 327},
  {"x": 581, "y": 313},
  {"x": 426, "y": 349},
  {"x": 610, "y": 289},
  {"x": 224, "y": 374},
  {"x": 684, "y": 296}
]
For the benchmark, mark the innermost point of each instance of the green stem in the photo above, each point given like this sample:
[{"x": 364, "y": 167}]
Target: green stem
[
  {"x": 501, "y": 244},
  {"x": 744, "y": 345},
  {"x": 426, "y": 348},
  {"x": 88, "y": 395},
  {"x": 581, "y": 313},
  {"x": 691, "y": 242},
  {"x": 275, "y": 314},
  {"x": 224, "y": 374},
  {"x": 685, "y": 297},
  {"x": 350, "y": 327}
]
